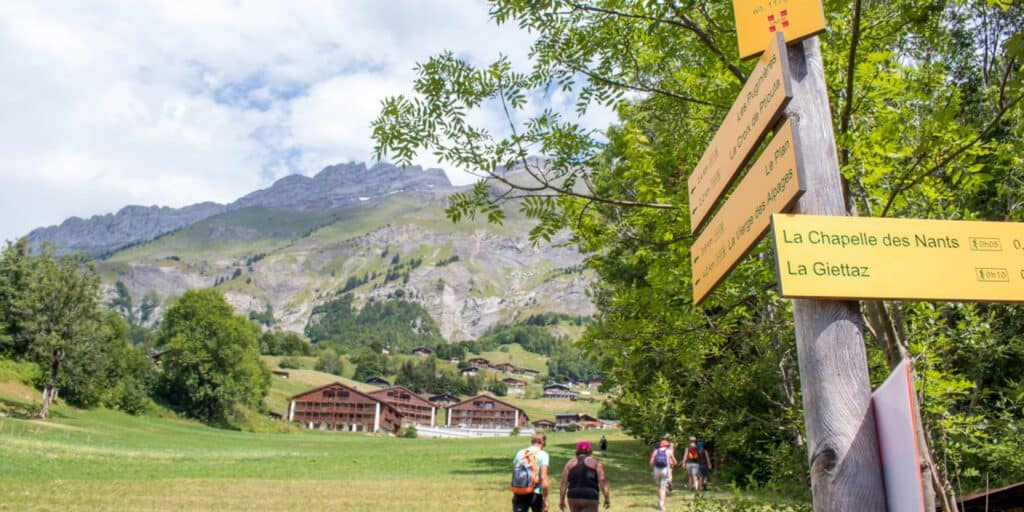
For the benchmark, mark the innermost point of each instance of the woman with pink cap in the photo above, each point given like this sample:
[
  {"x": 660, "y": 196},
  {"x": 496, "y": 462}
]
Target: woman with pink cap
[{"x": 583, "y": 481}]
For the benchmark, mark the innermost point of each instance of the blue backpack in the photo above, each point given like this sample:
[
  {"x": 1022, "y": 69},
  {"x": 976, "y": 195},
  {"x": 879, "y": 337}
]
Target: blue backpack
[{"x": 661, "y": 458}]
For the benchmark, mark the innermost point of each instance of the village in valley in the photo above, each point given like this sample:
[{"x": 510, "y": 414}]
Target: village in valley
[{"x": 377, "y": 406}]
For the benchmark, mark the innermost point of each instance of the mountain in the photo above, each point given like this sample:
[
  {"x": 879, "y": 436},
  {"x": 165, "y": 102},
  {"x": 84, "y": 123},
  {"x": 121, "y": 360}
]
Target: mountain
[
  {"x": 377, "y": 233},
  {"x": 333, "y": 187}
]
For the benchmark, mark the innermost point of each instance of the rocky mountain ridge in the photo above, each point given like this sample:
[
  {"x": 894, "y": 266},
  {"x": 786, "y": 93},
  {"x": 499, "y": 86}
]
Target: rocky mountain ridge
[{"x": 335, "y": 186}]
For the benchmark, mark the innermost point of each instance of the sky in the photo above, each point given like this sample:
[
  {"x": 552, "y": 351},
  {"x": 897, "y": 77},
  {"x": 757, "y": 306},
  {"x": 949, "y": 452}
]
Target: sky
[{"x": 105, "y": 104}]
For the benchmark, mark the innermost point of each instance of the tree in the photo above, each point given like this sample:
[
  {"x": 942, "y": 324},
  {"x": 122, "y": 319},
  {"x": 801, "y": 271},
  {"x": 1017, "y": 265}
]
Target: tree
[
  {"x": 329, "y": 362},
  {"x": 58, "y": 318},
  {"x": 927, "y": 98},
  {"x": 211, "y": 364}
]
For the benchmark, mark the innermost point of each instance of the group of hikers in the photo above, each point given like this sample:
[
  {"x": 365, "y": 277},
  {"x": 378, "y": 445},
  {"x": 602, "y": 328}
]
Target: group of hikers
[{"x": 583, "y": 477}]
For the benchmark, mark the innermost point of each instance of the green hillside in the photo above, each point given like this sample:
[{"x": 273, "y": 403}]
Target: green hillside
[{"x": 104, "y": 460}]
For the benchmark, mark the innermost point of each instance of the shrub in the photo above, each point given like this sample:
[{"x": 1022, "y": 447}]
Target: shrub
[
  {"x": 410, "y": 432},
  {"x": 290, "y": 363}
]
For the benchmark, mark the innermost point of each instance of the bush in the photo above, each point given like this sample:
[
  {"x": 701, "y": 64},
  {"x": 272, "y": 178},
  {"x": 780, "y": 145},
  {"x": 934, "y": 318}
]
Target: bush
[
  {"x": 290, "y": 363},
  {"x": 329, "y": 362},
  {"x": 410, "y": 432},
  {"x": 515, "y": 432}
]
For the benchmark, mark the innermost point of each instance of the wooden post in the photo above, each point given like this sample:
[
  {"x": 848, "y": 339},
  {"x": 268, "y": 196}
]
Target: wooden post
[{"x": 842, "y": 443}]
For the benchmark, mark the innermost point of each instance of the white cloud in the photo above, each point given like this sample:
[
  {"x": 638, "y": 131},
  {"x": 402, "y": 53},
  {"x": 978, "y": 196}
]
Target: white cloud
[{"x": 112, "y": 103}]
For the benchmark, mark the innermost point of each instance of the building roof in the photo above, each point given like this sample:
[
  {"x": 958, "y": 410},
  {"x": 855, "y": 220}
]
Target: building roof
[
  {"x": 543, "y": 421},
  {"x": 559, "y": 386},
  {"x": 377, "y": 381},
  {"x": 422, "y": 349},
  {"x": 510, "y": 380},
  {"x": 490, "y": 397},
  {"x": 412, "y": 394},
  {"x": 469, "y": 369},
  {"x": 350, "y": 389},
  {"x": 446, "y": 397},
  {"x": 578, "y": 416}
]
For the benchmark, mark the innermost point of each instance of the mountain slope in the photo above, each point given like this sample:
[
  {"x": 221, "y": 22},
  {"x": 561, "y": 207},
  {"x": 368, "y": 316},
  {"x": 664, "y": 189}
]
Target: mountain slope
[{"x": 300, "y": 242}]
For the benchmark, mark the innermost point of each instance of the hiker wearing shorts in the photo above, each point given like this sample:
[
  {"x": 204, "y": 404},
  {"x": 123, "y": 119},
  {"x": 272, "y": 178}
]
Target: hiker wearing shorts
[
  {"x": 583, "y": 481},
  {"x": 693, "y": 460},
  {"x": 662, "y": 460},
  {"x": 537, "y": 501}
]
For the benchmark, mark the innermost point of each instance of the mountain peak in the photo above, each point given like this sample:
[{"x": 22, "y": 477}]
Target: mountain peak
[{"x": 335, "y": 186}]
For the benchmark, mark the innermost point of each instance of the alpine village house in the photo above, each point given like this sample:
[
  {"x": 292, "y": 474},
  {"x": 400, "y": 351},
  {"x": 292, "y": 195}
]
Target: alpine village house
[
  {"x": 413, "y": 408},
  {"x": 341, "y": 408},
  {"x": 485, "y": 411}
]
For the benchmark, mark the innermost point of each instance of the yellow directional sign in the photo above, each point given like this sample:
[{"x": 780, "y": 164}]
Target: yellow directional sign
[
  {"x": 914, "y": 259},
  {"x": 771, "y": 186},
  {"x": 757, "y": 21},
  {"x": 758, "y": 107}
]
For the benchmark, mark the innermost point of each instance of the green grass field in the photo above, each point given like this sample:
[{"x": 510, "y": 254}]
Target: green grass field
[{"x": 104, "y": 460}]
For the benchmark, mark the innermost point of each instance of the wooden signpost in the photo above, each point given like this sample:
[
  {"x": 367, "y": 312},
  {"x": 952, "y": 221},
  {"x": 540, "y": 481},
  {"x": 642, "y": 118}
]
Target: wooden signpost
[
  {"x": 771, "y": 186},
  {"x": 824, "y": 257},
  {"x": 903, "y": 259},
  {"x": 758, "y": 107}
]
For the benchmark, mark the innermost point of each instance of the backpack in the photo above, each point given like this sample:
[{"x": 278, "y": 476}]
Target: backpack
[
  {"x": 692, "y": 454},
  {"x": 525, "y": 474},
  {"x": 661, "y": 458}
]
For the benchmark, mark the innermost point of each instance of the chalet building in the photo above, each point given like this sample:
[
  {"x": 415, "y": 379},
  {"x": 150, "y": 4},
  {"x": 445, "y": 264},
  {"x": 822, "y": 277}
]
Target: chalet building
[
  {"x": 470, "y": 371},
  {"x": 528, "y": 373},
  {"x": 544, "y": 425},
  {"x": 484, "y": 411},
  {"x": 341, "y": 408},
  {"x": 379, "y": 382},
  {"x": 444, "y": 400},
  {"x": 413, "y": 408},
  {"x": 480, "y": 362},
  {"x": 422, "y": 351},
  {"x": 559, "y": 391},
  {"x": 514, "y": 383},
  {"x": 579, "y": 419},
  {"x": 1007, "y": 499},
  {"x": 280, "y": 373},
  {"x": 594, "y": 383},
  {"x": 506, "y": 367}
]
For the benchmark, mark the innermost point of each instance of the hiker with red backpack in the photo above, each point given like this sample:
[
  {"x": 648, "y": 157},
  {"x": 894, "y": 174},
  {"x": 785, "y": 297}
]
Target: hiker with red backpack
[
  {"x": 662, "y": 461},
  {"x": 695, "y": 457},
  {"x": 530, "y": 476}
]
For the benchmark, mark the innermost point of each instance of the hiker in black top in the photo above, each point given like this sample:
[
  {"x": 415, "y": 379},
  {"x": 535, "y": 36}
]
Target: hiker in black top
[
  {"x": 583, "y": 481},
  {"x": 603, "y": 444}
]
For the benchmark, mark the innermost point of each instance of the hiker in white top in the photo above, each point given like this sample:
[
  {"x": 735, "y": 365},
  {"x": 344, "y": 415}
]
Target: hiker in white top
[{"x": 531, "y": 494}]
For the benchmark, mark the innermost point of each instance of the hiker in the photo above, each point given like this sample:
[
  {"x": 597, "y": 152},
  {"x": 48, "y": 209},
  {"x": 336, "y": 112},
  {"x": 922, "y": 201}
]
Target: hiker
[
  {"x": 704, "y": 459},
  {"x": 583, "y": 480},
  {"x": 662, "y": 460},
  {"x": 692, "y": 458},
  {"x": 530, "y": 476},
  {"x": 603, "y": 444}
]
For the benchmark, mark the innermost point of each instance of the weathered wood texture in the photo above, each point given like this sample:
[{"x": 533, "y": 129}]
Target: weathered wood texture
[{"x": 842, "y": 442}]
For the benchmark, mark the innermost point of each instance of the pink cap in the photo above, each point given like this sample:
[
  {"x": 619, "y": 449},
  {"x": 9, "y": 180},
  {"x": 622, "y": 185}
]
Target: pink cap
[{"x": 583, "y": 446}]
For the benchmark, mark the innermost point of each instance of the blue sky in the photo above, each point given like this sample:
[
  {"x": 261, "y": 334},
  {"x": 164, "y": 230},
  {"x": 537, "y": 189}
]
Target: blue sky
[{"x": 172, "y": 103}]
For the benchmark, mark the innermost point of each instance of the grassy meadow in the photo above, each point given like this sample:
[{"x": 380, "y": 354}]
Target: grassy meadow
[{"x": 106, "y": 460}]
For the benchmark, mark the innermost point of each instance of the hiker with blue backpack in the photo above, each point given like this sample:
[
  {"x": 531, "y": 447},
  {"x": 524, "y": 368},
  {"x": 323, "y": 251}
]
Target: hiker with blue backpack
[
  {"x": 662, "y": 461},
  {"x": 530, "y": 476}
]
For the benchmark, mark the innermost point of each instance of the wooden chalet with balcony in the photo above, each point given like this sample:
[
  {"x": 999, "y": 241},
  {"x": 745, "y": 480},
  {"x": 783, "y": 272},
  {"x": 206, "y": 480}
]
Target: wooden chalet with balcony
[
  {"x": 413, "y": 408},
  {"x": 559, "y": 391},
  {"x": 484, "y": 411},
  {"x": 338, "y": 407},
  {"x": 480, "y": 362}
]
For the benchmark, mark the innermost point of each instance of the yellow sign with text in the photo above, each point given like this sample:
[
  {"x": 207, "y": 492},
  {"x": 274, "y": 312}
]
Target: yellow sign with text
[
  {"x": 911, "y": 259},
  {"x": 757, "y": 22},
  {"x": 758, "y": 107},
  {"x": 771, "y": 186}
]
